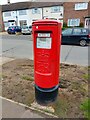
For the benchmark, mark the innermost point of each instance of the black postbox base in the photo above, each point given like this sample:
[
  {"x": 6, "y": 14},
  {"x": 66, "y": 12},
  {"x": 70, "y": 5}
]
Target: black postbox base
[{"x": 46, "y": 96}]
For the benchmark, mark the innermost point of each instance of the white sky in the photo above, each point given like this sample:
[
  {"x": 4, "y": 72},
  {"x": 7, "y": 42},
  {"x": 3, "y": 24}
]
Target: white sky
[{"x": 11, "y": 1}]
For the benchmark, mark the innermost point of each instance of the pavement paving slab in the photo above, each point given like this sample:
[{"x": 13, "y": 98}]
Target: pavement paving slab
[
  {"x": 5, "y": 60},
  {"x": 11, "y": 109}
]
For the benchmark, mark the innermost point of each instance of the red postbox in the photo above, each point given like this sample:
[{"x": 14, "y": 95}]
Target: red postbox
[{"x": 47, "y": 42}]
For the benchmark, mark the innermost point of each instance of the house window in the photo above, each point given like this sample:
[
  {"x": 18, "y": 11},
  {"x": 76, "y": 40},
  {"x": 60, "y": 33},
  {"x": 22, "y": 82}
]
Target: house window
[
  {"x": 6, "y": 24},
  {"x": 55, "y": 9},
  {"x": 81, "y": 6},
  {"x": 35, "y": 11},
  {"x": 7, "y": 14},
  {"x": 73, "y": 22},
  {"x": 67, "y": 31},
  {"x": 22, "y": 12}
]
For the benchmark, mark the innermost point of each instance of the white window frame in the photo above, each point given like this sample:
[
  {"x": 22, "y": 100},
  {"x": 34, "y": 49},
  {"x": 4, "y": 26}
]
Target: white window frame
[
  {"x": 35, "y": 11},
  {"x": 81, "y": 6},
  {"x": 55, "y": 9},
  {"x": 74, "y": 22},
  {"x": 7, "y": 14},
  {"x": 22, "y": 12}
]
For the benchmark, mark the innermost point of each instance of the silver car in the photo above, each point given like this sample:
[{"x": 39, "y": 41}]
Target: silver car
[{"x": 26, "y": 30}]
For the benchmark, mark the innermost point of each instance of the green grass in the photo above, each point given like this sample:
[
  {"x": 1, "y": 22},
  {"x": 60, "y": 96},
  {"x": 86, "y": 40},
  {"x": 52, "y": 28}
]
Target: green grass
[
  {"x": 29, "y": 78},
  {"x": 85, "y": 107},
  {"x": 86, "y": 76}
]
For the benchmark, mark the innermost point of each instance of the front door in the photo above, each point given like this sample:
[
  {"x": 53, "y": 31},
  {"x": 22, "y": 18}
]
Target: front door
[{"x": 87, "y": 22}]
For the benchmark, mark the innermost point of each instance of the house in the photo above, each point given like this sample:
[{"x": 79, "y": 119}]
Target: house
[
  {"x": 75, "y": 13},
  {"x": 87, "y": 18},
  {"x": 24, "y": 13}
]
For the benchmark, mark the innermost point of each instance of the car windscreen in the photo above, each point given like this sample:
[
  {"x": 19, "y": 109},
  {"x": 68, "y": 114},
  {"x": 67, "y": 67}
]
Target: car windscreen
[
  {"x": 17, "y": 27},
  {"x": 67, "y": 31},
  {"x": 25, "y": 27},
  {"x": 12, "y": 27}
]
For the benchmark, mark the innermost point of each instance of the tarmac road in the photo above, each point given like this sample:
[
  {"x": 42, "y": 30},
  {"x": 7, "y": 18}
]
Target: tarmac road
[{"x": 21, "y": 46}]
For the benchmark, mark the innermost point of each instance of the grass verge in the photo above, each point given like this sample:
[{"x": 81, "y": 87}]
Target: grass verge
[{"x": 85, "y": 107}]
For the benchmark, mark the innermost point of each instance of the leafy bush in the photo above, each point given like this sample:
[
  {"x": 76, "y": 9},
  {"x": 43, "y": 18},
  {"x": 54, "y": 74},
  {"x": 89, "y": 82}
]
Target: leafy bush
[
  {"x": 65, "y": 25},
  {"x": 81, "y": 25},
  {"x": 63, "y": 28}
]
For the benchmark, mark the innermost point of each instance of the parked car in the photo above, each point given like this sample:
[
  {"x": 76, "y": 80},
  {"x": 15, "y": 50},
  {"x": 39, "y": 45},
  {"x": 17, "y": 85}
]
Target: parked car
[
  {"x": 80, "y": 36},
  {"x": 13, "y": 29},
  {"x": 26, "y": 30},
  {"x": 30, "y": 28}
]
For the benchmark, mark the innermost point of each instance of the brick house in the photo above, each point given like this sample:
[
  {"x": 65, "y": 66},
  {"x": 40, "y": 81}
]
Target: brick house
[{"x": 76, "y": 11}]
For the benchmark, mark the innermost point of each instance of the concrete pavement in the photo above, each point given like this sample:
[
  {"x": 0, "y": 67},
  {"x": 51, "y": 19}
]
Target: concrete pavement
[
  {"x": 11, "y": 109},
  {"x": 5, "y": 60}
]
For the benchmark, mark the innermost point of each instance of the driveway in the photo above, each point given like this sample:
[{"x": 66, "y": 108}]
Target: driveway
[{"x": 21, "y": 46}]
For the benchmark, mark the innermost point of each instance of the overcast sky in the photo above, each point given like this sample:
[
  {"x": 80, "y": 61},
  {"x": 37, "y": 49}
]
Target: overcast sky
[{"x": 12, "y": 1}]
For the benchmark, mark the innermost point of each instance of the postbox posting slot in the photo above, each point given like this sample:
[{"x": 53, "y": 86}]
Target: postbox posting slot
[{"x": 44, "y": 40}]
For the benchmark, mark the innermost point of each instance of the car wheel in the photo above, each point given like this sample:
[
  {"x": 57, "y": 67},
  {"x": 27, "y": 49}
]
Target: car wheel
[
  {"x": 9, "y": 33},
  {"x": 15, "y": 32},
  {"x": 83, "y": 43}
]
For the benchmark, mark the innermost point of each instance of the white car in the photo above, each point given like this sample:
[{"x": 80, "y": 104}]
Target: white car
[
  {"x": 30, "y": 28},
  {"x": 26, "y": 30}
]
